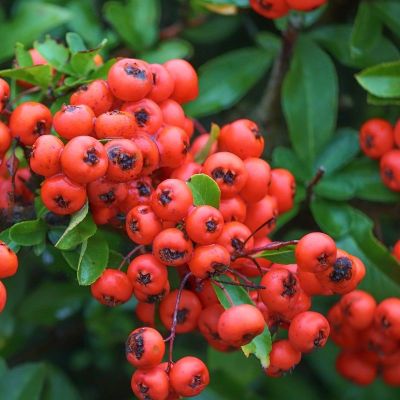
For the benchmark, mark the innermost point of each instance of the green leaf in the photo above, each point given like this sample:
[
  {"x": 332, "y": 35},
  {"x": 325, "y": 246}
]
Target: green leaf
[
  {"x": 80, "y": 228},
  {"x": 283, "y": 157},
  {"x": 24, "y": 382},
  {"x": 204, "y": 152},
  {"x": 260, "y": 346},
  {"x": 28, "y": 233},
  {"x": 65, "y": 300},
  {"x": 336, "y": 38},
  {"x": 40, "y": 208},
  {"x": 102, "y": 71},
  {"x": 38, "y": 75},
  {"x": 366, "y": 31},
  {"x": 379, "y": 101},
  {"x": 343, "y": 147},
  {"x": 75, "y": 42},
  {"x": 226, "y": 79},
  {"x": 5, "y": 237},
  {"x": 205, "y": 190},
  {"x": 389, "y": 11},
  {"x": 238, "y": 3},
  {"x": 31, "y": 20},
  {"x": 56, "y": 54},
  {"x": 129, "y": 20},
  {"x": 23, "y": 56},
  {"x": 168, "y": 50},
  {"x": 382, "y": 80},
  {"x": 309, "y": 96},
  {"x": 284, "y": 255},
  {"x": 269, "y": 42},
  {"x": 58, "y": 386},
  {"x": 93, "y": 260}
]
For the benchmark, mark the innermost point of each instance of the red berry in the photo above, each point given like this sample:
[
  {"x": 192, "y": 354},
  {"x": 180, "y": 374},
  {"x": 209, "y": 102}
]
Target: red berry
[
  {"x": 8, "y": 261},
  {"x": 3, "y": 296},
  {"x": 376, "y": 137},
  {"x": 387, "y": 317},
  {"x": 150, "y": 384},
  {"x": 270, "y": 8},
  {"x": 283, "y": 358},
  {"x": 209, "y": 260},
  {"x": 71, "y": 121},
  {"x": 353, "y": 367},
  {"x": 258, "y": 181},
  {"x": 163, "y": 83},
  {"x": 390, "y": 170},
  {"x": 45, "y": 155},
  {"x": 115, "y": 124},
  {"x": 283, "y": 188},
  {"x": 5, "y": 138}
]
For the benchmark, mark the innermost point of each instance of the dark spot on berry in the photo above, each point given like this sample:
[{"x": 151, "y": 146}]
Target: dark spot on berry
[
  {"x": 165, "y": 197},
  {"x": 185, "y": 147},
  {"x": 91, "y": 157},
  {"x": 83, "y": 88},
  {"x": 134, "y": 225},
  {"x": 318, "y": 341},
  {"x": 133, "y": 70},
  {"x": 135, "y": 344},
  {"x": 211, "y": 225},
  {"x": 61, "y": 202},
  {"x": 217, "y": 173},
  {"x": 142, "y": 117},
  {"x": 123, "y": 160},
  {"x": 227, "y": 177},
  {"x": 256, "y": 133},
  {"x": 237, "y": 244},
  {"x": 143, "y": 388},
  {"x": 143, "y": 189},
  {"x": 40, "y": 128},
  {"x": 218, "y": 268},
  {"x": 108, "y": 197},
  {"x": 247, "y": 337},
  {"x": 289, "y": 286},
  {"x": 169, "y": 255},
  {"x": 342, "y": 270},
  {"x": 323, "y": 259},
  {"x": 389, "y": 174},
  {"x": 154, "y": 77},
  {"x": 182, "y": 315},
  {"x": 196, "y": 381},
  {"x": 385, "y": 323},
  {"x": 144, "y": 279},
  {"x": 369, "y": 141},
  {"x": 144, "y": 210},
  {"x": 266, "y": 4},
  {"x": 110, "y": 301},
  {"x": 156, "y": 298}
]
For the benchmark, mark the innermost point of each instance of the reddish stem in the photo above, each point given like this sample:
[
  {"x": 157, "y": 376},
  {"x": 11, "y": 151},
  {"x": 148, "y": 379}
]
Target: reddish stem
[
  {"x": 199, "y": 126},
  {"x": 269, "y": 246},
  {"x": 245, "y": 285},
  {"x": 129, "y": 255},
  {"x": 227, "y": 295},
  {"x": 268, "y": 222}
]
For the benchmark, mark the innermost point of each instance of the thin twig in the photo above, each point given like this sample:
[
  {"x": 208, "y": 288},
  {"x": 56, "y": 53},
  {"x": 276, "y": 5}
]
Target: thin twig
[
  {"x": 245, "y": 285},
  {"x": 269, "y": 246},
  {"x": 226, "y": 293},
  {"x": 129, "y": 255},
  {"x": 314, "y": 181},
  {"x": 268, "y": 222}
]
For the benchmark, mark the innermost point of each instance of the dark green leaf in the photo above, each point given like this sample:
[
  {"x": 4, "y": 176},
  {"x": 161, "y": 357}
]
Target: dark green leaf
[
  {"x": 5, "y": 237},
  {"x": 283, "y": 157},
  {"x": 334, "y": 188},
  {"x": 379, "y": 101},
  {"x": 382, "y": 80},
  {"x": 335, "y": 38},
  {"x": 366, "y": 31},
  {"x": 310, "y": 96},
  {"x": 38, "y": 75},
  {"x": 22, "y": 56},
  {"x": 51, "y": 302},
  {"x": 343, "y": 147},
  {"x": 226, "y": 79},
  {"x": 55, "y": 53},
  {"x": 115, "y": 258},
  {"x": 28, "y": 233},
  {"x": 40, "y": 208},
  {"x": 285, "y": 255},
  {"x": 129, "y": 19},
  {"x": 58, "y": 386},
  {"x": 93, "y": 260},
  {"x": 237, "y": 294},
  {"x": 334, "y": 218},
  {"x": 24, "y": 382},
  {"x": 389, "y": 11},
  {"x": 168, "y": 50},
  {"x": 204, "y": 152},
  {"x": 31, "y": 20},
  {"x": 205, "y": 190},
  {"x": 75, "y": 42},
  {"x": 269, "y": 42}
]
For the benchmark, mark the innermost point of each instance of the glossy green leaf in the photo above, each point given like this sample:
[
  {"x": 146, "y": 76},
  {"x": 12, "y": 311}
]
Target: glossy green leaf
[
  {"x": 379, "y": 101},
  {"x": 382, "y": 80},
  {"x": 205, "y": 190},
  {"x": 388, "y": 11},
  {"x": 75, "y": 42},
  {"x": 24, "y": 382},
  {"x": 129, "y": 20},
  {"x": 80, "y": 228},
  {"x": 366, "y": 31},
  {"x": 205, "y": 151},
  {"x": 260, "y": 346},
  {"x": 40, "y": 208},
  {"x": 38, "y": 75},
  {"x": 283, "y": 157},
  {"x": 55, "y": 53},
  {"x": 31, "y": 20},
  {"x": 22, "y": 56},
  {"x": 28, "y": 233},
  {"x": 334, "y": 188},
  {"x": 343, "y": 147},
  {"x": 336, "y": 38},
  {"x": 5, "y": 237},
  {"x": 168, "y": 50},
  {"x": 310, "y": 96},
  {"x": 226, "y": 79},
  {"x": 284, "y": 255},
  {"x": 93, "y": 260}
]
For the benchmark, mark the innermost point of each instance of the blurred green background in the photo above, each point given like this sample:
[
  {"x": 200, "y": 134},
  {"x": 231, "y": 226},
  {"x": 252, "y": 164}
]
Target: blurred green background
[{"x": 57, "y": 343}]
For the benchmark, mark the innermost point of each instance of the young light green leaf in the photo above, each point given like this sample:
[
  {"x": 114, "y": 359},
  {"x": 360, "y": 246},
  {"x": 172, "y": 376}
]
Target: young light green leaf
[
  {"x": 309, "y": 96},
  {"x": 5, "y": 237},
  {"x": 28, "y": 233},
  {"x": 260, "y": 346},
  {"x": 40, "y": 208},
  {"x": 54, "y": 53},
  {"x": 205, "y": 190},
  {"x": 38, "y": 75},
  {"x": 75, "y": 42},
  {"x": 381, "y": 80},
  {"x": 226, "y": 79},
  {"x": 284, "y": 255},
  {"x": 23, "y": 56},
  {"x": 93, "y": 260},
  {"x": 205, "y": 151}
]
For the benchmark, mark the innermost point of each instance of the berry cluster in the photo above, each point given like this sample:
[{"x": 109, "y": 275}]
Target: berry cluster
[
  {"x": 379, "y": 140},
  {"x": 279, "y": 8},
  {"x": 369, "y": 335}
]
